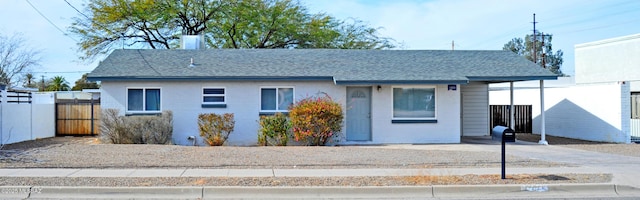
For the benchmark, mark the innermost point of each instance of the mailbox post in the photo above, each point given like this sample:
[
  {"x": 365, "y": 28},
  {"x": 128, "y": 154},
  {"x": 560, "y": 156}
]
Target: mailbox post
[{"x": 504, "y": 134}]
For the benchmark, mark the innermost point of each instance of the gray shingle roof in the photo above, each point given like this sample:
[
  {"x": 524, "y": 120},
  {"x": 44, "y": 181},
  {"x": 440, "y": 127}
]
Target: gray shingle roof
[{"x": 342, "y": 66}]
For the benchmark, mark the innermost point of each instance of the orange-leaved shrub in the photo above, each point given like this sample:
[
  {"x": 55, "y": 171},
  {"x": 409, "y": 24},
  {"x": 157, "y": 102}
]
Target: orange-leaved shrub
[
  {"x": 214, "y": 128},
  {"x": 316, "y": 120}
]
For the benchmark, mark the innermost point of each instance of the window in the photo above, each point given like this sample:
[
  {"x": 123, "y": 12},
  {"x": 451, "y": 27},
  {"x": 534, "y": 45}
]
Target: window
[
  {"x": 213, "y": 97},
  {"x": 276, "y": 99},
  {"x": 143, "y": 99},
  {"x": 414, "y": 103}
]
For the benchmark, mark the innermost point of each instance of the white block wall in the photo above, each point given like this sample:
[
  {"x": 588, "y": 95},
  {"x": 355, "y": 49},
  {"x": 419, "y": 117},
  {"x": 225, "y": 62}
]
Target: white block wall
[
  {"x": 243, "y": 99},
  {"x": 598, "y": 112},
  {"x": 22, "y": 122}
]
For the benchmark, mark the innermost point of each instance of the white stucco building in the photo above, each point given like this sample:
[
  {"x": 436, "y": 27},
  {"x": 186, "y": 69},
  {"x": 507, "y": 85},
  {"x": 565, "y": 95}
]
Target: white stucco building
[{"x": 403, "y": 96}]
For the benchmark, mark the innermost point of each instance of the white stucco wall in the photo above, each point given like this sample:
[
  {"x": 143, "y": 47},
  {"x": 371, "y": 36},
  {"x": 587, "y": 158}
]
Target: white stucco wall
[
  {"x": 596, "y": 112},
  {"x": 243, "y": 99},
  {"x": 609, "y": 60},
  {"x": 184, "y": 99},
  {"x": 446, "y": 130}
]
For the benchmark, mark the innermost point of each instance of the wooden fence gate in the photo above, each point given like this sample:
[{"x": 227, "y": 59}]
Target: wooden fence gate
[
  {"x": 77, "y": 117},
  {"x": 522, "y": 114}
]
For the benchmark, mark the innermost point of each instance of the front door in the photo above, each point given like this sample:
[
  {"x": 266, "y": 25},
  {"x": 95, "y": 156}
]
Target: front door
[{"x": 359, "y": 113}]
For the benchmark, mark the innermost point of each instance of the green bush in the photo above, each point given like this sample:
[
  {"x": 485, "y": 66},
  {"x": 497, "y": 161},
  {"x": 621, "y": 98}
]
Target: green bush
[
  {"x": 316, "y": 120},
  {"x": 118, "y": 129},
  {"x": 274, "y": 130},
  {"x": 214, "y": 128}
]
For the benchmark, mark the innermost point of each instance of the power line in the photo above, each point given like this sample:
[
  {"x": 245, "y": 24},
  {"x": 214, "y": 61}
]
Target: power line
[
  {"x": 60, "y": 72},
  {"x": 50, "y": 22},
  {"x": 77, "y": 10},
  {"x": 96, "y": 23}
]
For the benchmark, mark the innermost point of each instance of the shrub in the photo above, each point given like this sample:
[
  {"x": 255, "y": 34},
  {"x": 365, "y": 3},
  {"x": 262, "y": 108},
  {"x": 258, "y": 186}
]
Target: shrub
[
  {"x": 152, "y": 129},
  {"x": 113, "y": 128},
  {"x": 118, "y": 129},
  {"x": 214, "y": 128},
  {"x": 315, "y": 120},
  {"x": 274, "y": 130}
]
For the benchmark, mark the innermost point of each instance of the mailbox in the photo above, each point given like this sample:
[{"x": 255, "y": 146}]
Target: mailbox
[{"x": 503, "y": 133}]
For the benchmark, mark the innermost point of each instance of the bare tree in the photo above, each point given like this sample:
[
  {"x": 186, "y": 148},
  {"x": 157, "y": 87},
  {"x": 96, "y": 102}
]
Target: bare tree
[{"x": 15, "y": 58}]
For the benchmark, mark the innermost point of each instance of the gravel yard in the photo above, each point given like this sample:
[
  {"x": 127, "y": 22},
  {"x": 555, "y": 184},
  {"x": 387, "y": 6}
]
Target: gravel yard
[
  {"x": 68, "y": 152},
  {"x": 632, "y": 149},
  {"x": 87, "y": 152}
]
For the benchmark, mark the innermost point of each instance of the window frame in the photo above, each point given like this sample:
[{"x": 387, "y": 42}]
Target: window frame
[
  {"x": 222, "y": 104},
  {"x": 416, "y": 119},
  {"x": 293, "y": 100},
  {"x": 144, "y": 100}
]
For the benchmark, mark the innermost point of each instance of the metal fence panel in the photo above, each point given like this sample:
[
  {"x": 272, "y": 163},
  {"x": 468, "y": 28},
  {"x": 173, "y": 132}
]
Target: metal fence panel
[{"x": 522, "y": 117}]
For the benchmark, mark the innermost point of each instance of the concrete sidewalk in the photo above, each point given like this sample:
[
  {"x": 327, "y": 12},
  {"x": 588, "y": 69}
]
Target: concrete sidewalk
[
  {"x": 603, "y": 190},
  {"x": 197, "y": 172}
]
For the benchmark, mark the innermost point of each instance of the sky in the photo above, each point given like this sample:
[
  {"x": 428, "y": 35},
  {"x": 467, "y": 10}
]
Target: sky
[{"x": 417, "y": 24}]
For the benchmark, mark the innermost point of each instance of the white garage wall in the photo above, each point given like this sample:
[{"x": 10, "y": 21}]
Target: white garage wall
[{"x": 596, "y": 112}]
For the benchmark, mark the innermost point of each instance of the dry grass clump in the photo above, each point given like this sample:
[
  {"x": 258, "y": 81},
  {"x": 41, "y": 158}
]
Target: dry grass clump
[{"x": 473, "y": 179}]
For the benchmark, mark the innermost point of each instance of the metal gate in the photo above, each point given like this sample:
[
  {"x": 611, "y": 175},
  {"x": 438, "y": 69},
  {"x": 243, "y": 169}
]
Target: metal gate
[
  {"x": 77, "y": 117},
  {"x": 635, "y": 130},
  {"x": 522, "y": 114}
]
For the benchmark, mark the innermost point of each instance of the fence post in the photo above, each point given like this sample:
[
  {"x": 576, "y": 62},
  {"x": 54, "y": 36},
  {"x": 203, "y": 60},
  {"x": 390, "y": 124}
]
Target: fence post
[
  {"x": 92, "y": 118},
  {"x": 3, "y": 101}
]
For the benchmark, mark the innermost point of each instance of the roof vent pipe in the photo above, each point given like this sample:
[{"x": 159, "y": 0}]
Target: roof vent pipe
[{"x": 192, "y": 64}]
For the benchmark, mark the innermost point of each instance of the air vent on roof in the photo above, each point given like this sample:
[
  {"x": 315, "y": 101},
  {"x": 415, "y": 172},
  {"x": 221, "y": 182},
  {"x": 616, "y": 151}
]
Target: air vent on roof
[
  {"x": 192, "y": 42},
  {"x": 192, "y": 64}
]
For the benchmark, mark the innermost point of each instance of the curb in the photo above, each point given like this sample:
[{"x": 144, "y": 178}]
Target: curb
[
  {"x": 440, "y": 191},
  {"x": 624, "y": 190},
  {"x": 487, "y": 191},
  {"x": 52, "y": 192}
]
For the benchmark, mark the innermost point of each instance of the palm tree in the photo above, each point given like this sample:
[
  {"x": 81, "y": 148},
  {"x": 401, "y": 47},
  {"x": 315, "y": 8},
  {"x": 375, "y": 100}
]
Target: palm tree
[
  {"x": 58, "y": 83},
  {"x": 29, "y": 77}
]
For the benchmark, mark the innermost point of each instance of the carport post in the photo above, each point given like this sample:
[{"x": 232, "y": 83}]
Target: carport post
[{"x": 543, "y": 139}]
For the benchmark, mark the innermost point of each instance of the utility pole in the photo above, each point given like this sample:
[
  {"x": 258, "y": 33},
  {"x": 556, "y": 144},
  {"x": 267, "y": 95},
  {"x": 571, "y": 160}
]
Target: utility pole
[
  {"x": 42, "y": 84},
  {"x": 543, "y": 139},
  {"x": 535, "y": 37}
]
